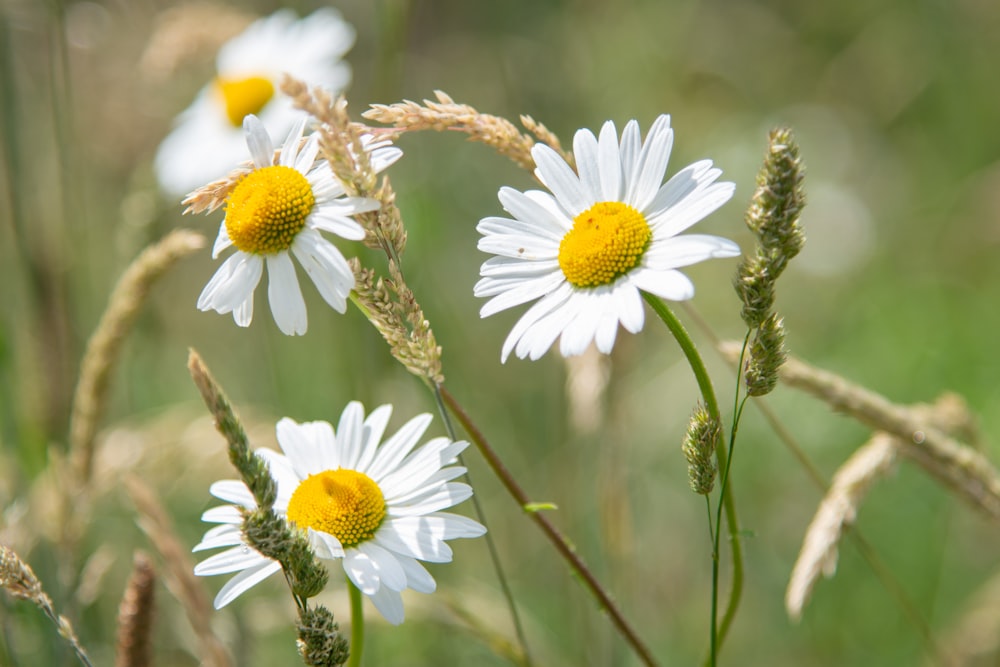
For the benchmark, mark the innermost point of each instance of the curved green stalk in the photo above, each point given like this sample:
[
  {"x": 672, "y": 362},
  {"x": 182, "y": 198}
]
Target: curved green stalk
[
  {"x": 726, "y": 496},
  {"x": 357, "y": 626}
]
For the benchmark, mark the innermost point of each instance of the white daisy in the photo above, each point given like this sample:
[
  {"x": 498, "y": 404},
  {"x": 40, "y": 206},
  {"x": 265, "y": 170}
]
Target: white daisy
[
  {"x": 603, "y": 235},
  {"x": 280, "y": 207},
  {"x": 374, "y": 506},
  {"x": 207, "y": 140}
]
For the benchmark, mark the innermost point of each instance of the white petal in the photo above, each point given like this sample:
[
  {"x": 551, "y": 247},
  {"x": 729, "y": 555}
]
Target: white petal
[
  {"x": 310, "y": 446},
  {"x": 630, "y": 307},
  {"x": 631, "y": 145},
  {"x": 557, "y": 176},
  {"x": 539, "y": 225},
  {"x": 224, "y": 535},
  {"x": 332, "y": 219},
  {"x": 550, "y": 302},
  {"x": 672, "y": 285},
  {"x": 579, "y": 333},
  {"x": 327, "y": 268},
  {"x": 407, "y": 492},
  {"x": 244, "y": 581},
  {"x": 243, "y": 313},
  {"x": 282, "y": 473},
  {"x": 410, "y": 536},
  {"x": 652, "y": 164},
  {"x": 372, "y": 432},
  {"x": 419, "y": 467},
  {"x": 362, "y": 571},
  {"x": 681, "y": 185},
  {"x": 290, "y": 149},
  {"x": 398, "y": 446},
  {"x": 259, "y": 142},
  {"x": 389, "y": 603},
  {"x": 223, "y": 514},
  {"x": 607, "y": 331},
  {"x": 325, "y": 545},
  {"x": 417, "y": 576},
  {"x": 233, "y": 491},
  {"x": 455, "y": 526},
  {"x": 610, "y": 163},
  {"x": 519, "y": 246},
  {"x": 511, "y": 267},
  {"x": 692, "y": 209},
  {"x": 232, "y": 284},
  {"x": 587, "y": 163},
  {"x": 525, "y": 291},
  {"x": 390, "y": 572},
  {"x": 349, "y": 434},
  {"x": 284, "y": 295},
  {"x": 451, "y": 495},
  {"x": 544, "y": 332},
  {"x": 231, "y": 560},
  {"x": 688, "y": 249},
  {"x": 222, "y": 241}
]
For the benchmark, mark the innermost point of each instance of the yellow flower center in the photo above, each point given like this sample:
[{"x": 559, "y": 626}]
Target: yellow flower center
[
  {"x": 244, "y": 96},
  {"x": 267, "y": 208},
  {"x": 344, "y": 503},
  {"x": 606, "y": 241}
]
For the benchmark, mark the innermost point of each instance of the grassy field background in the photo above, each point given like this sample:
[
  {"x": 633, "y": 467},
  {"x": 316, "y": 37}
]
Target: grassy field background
[{"x": 895, "y": 106}]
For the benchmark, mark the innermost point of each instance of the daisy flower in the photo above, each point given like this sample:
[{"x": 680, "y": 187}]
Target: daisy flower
[
  {"x": 207, "y": 139},
  {"x": 281, "y": 207},
  {"x": 604, "y": 234},
  {"x": 374, "y": 506}
]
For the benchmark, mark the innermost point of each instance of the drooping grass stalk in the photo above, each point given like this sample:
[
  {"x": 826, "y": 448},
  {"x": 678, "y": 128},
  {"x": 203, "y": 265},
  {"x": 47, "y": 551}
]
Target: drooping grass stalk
[
  {"x": 726, "y": 500},
  {"x": 557, "y": 539}
]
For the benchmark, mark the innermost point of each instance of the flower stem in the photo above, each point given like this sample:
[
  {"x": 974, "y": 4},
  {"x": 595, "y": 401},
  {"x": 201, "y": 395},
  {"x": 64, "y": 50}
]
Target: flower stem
[
  {"x": 718, "y": 630},
  {"x": 551, "y": 532},
  {"x": 357, "y": 626}
]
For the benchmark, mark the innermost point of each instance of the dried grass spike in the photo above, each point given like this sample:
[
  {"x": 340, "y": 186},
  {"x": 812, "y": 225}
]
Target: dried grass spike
[
  {"x": 179, "y": 574},
  {"x": 135, "y": 615},
  {"x": 18, "y": 579},
  {"x": 495, "y": 131},
  {"x": 105, "y": 344},
  {"x": 837, "y": 511}
]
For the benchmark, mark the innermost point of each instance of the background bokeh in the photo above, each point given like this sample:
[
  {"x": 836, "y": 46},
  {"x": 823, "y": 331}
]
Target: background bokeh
[{"x": 895, "y": 105}]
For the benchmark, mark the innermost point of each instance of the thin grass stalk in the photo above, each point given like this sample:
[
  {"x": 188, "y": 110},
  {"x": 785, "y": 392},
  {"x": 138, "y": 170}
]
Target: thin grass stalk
[
  {"x": 726, "y": 499},
  {"x": 551, "y": 532},
  {"x": 508, "y": 593}
]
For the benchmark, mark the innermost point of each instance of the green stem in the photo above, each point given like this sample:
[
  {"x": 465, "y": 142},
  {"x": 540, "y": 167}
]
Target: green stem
[
  {"x": 726, "y": 496},
  {"x": 357, "y": 626}
]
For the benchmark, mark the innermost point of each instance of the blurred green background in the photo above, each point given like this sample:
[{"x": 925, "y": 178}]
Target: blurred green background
[{"x": 895, "y": 105}]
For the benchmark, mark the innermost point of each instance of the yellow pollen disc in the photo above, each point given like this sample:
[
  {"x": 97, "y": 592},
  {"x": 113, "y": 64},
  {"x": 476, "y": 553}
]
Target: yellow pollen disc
[
  {"x": 606, "y": 241},
  {"x": 344, "y": 503},
  {"x": 267, "y": 208},
  {"x": 244, "y": 96}
]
